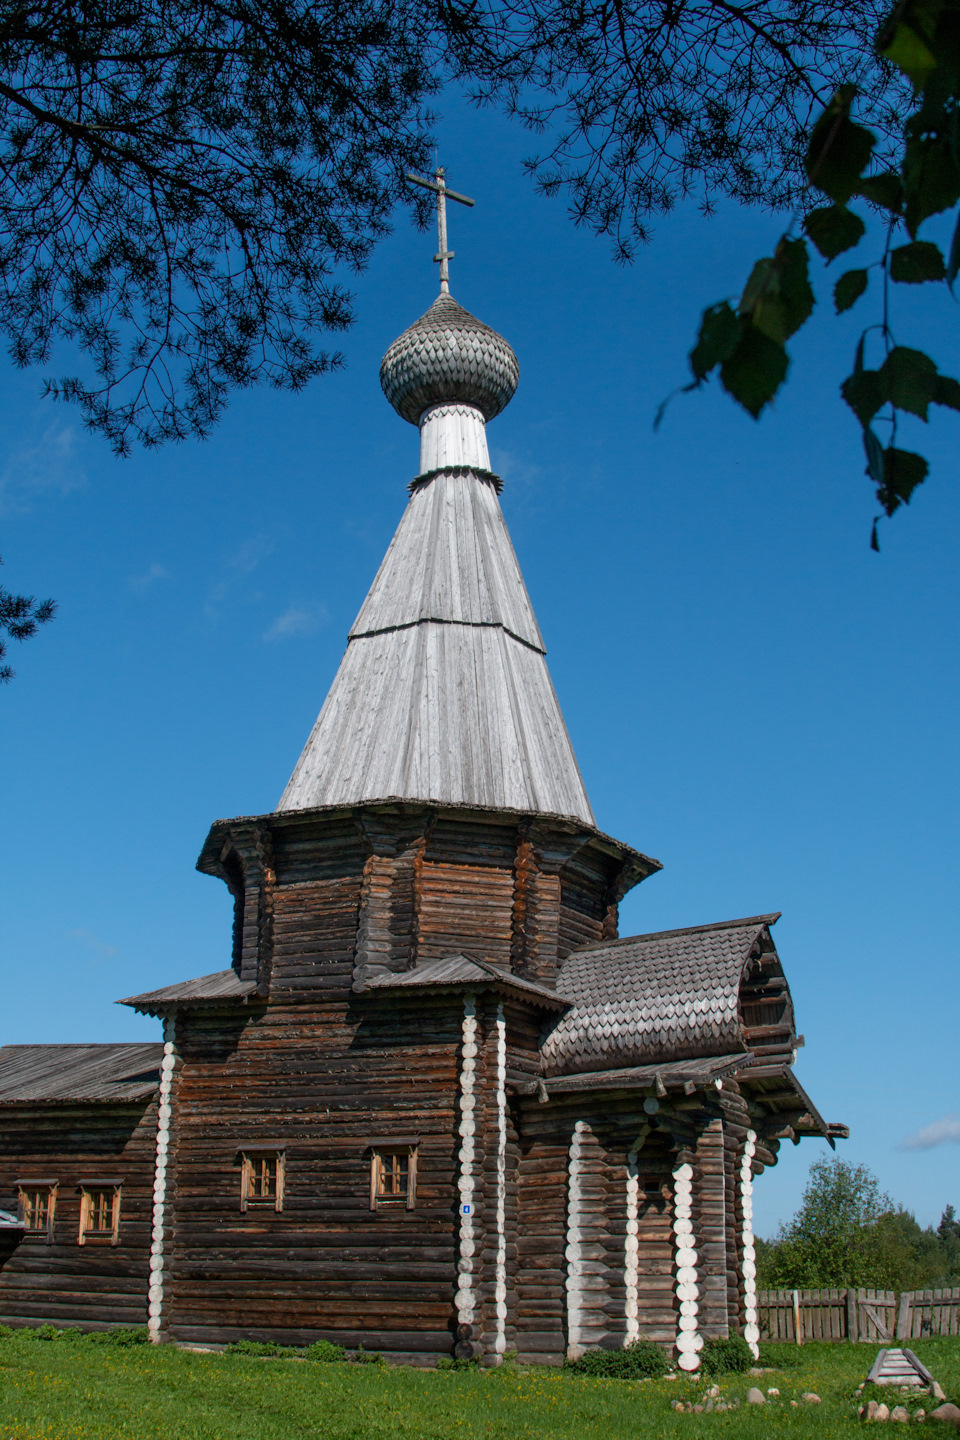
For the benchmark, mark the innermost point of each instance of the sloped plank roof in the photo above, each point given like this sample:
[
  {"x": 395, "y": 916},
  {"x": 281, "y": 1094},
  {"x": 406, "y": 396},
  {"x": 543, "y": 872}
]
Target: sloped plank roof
[
  {"x": 779, "y": 1089},
  {"x": 221, "y": 985},
  {"x": 459, "y": 970},
  {"x": 658, "y": 997},
  {"x": 444, "y": 695},
  {"x": 78, "y": 1072},
  {"x": 451, "y": 559},
  {"x": 703, "y": 1070}
]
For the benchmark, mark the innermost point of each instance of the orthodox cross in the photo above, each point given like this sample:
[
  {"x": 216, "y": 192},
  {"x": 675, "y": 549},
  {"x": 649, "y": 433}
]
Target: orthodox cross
[{"x": 439, "y": 187}]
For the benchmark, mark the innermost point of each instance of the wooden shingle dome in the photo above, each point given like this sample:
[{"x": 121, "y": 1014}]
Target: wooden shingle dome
[{"x": 448, "y": 355}]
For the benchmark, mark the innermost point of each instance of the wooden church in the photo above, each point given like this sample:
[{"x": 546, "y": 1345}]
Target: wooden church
[{"x": 435, "y": 1105}]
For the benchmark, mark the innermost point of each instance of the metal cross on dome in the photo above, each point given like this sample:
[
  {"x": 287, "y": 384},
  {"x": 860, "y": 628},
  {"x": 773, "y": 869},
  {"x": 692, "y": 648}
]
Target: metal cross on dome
[{"x": 439, "y": 186}]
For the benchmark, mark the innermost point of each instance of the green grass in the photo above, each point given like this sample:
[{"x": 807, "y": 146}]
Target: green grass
[{"x": 80, "y": 1390}]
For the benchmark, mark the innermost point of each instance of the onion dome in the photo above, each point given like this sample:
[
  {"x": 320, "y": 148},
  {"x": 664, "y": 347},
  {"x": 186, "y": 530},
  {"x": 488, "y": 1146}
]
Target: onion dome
[{"x": 448, "y": 355}]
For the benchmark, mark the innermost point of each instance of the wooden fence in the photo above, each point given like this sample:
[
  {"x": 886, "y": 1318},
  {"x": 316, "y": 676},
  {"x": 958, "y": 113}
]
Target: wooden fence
[
  {"x": 928, "y": 1312},
  {"x": 793, "y": 1315}
]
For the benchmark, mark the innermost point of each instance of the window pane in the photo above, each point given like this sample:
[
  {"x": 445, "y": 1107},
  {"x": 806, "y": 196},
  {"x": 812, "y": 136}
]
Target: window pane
[
  {"x": 36, "y": 1208},
  {"x": 263, "y": 1177},
  {"x": 100, "y": 1218},
  {"x": 392, "y": 1173}
]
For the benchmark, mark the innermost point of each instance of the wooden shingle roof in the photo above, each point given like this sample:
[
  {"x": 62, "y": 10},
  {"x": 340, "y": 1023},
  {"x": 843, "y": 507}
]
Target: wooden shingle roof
[
  {"x": 653, "y": 998},
  {"x": 32, "y": 1073},
  {"x": 448, "y": 355}
]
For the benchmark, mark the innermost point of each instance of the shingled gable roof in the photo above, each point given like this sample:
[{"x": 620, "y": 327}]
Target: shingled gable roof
[
  {"x": 652, "y": 998},
  {"x": 207, "y": 989},
  {"x": 461, "y": 972},
  {"x": 32, "y": 1073}
]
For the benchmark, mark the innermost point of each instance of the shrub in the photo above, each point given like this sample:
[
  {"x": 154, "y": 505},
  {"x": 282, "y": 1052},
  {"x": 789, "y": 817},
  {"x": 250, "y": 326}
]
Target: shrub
[
  {"x": 366, "y": 1357},
  {"x": 325, "y": 1352},
  {"x": 122, "y": 1336},
  {"x": 719, "y": 1357},
  {"x": 257, "y": 1347},
  {"x": 641, "y": 1360}
]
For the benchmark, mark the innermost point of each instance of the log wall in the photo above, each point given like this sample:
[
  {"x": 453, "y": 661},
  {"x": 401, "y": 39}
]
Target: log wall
[
  {"x": 94, "y": 1286},
  {"x": 319, "y": 1081}
]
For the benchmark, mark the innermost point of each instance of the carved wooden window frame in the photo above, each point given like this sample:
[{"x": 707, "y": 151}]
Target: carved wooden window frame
[
  {"x": 253, "y": 1160},
  {"x": 29, "y": 1187},
  {"x": 392, "y": 1188},
  {"x": 93, "y": 1207}
]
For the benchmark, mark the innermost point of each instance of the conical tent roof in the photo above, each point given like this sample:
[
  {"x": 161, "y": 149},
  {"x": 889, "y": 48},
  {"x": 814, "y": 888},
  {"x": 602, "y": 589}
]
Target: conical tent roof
[{"x": 443, "y": 694}]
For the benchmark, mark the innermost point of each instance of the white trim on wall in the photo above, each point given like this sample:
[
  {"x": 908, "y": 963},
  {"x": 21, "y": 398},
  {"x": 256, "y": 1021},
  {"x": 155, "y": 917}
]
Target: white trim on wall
[
  {"x": 500, "y": 1288},
  {"x": 689, "y": 1340},
  {"x": 748, "y": 1262},
  {"x": 573, "y": 1249},
  {"x": 164, "y": 1116},
  {"x": 469, "y": 1261},
  {"x": 631, "y": 1248}
]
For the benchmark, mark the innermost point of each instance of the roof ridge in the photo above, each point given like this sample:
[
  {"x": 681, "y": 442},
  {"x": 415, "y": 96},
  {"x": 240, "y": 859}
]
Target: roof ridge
[{"x": 758, "y": 920}]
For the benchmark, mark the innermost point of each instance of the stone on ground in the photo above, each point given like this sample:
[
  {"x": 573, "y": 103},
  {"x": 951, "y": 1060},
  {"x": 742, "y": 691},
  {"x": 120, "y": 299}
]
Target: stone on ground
[
  {"x": 755, "y": 1396},
  {"x": 947, "y": 1414}
]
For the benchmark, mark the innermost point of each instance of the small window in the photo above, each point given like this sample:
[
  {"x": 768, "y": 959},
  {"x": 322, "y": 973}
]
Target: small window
[
  {"x": 393, "y": 1177},
  {"x": 38, "y": 1202},
  {"x": 652, "y": 1186},
  {"x": 100, "y": 1212},
  {"x": 261, "y": 1182}
]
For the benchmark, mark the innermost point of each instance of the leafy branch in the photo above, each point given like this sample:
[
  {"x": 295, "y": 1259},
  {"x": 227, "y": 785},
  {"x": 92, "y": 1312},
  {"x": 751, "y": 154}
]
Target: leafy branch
[
  {"x": 19, "y": 617},
  {"x": 747, "y": 345}
]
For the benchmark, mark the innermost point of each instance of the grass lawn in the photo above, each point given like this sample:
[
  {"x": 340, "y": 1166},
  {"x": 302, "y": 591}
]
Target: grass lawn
[{"x": 78, "y": 1390}]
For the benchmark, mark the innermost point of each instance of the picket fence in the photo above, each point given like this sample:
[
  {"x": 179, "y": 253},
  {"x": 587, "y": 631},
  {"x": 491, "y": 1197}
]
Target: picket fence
[
  {"x": 799, "y": 1315},
  {"x": 928, "y": 1312},
  {"x": 857, "y": 1315}
]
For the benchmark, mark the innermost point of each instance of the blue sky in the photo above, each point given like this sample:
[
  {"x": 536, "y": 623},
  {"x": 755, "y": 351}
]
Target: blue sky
[{"x": 754, "y": 697}]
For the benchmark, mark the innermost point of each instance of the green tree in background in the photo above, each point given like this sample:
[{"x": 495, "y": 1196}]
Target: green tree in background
[{"x": 848, "y": 1232}]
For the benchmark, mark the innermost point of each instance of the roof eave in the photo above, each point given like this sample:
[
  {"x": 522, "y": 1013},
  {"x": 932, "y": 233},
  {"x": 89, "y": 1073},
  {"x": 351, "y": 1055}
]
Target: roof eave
[
  {"x": 209, "y": 861},
  {"x": 539, "y": 1001},
  {"x": 815, "y": 1126},
  {"x": 661, "y": 1076},
  {"x": 224, "y": 988},
  {"x": 129, "y": 1098}
]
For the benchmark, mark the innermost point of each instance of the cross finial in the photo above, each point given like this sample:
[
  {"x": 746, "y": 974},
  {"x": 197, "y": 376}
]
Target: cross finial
[{"x": 439, "y": 186}]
